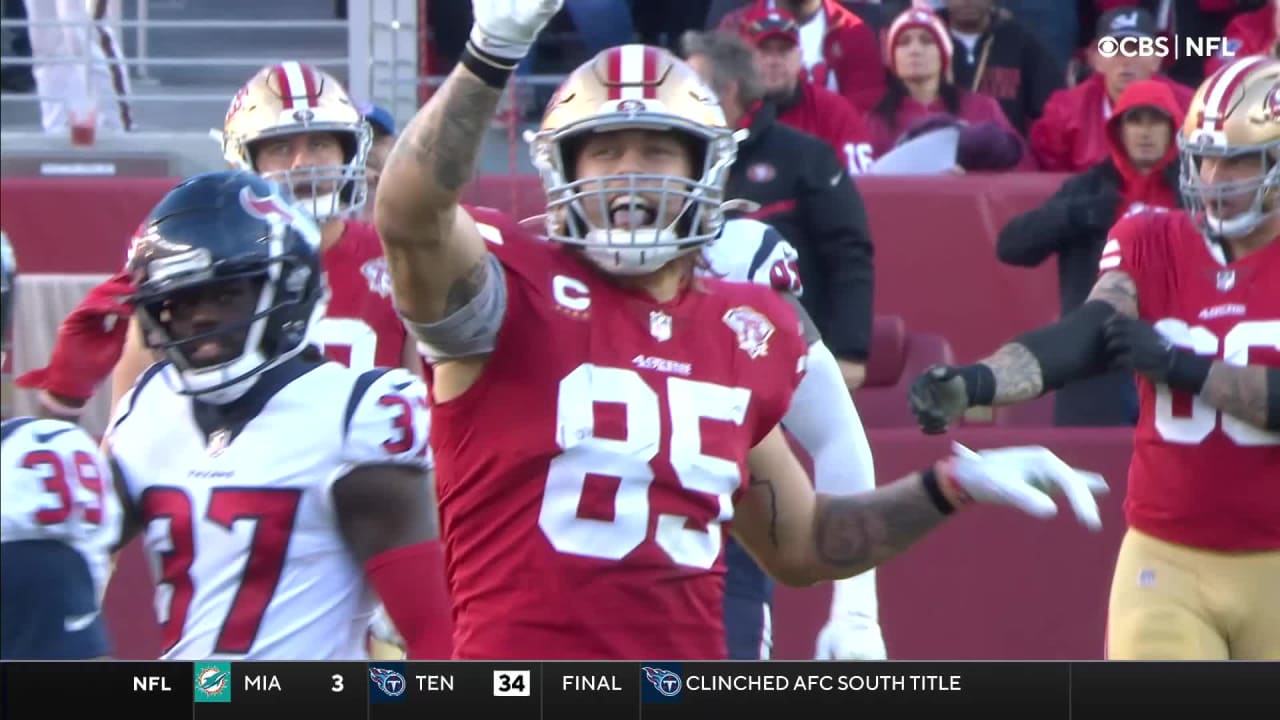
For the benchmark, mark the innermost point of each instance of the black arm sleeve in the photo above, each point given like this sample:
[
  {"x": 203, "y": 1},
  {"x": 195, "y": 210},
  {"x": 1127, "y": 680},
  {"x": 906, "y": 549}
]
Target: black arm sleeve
[
  {"x": 1072, "y": 348},
  {"x": 836, "y": 222}
]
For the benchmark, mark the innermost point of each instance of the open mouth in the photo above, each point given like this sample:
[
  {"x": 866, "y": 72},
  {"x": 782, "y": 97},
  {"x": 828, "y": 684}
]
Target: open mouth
[
  {"x": 632, "y": 213},
  {"x": 210, "y": 351}
]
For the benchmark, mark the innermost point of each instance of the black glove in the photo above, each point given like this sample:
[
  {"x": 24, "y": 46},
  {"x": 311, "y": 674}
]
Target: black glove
[
  {"x": 1134, "y": 345},
  {"x": 942, "y": 393}
]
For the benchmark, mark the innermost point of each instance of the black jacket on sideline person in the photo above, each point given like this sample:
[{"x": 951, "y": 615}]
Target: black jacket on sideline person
[
  {"x": 1011, "y": 64},
  {"x": 1073, "y": 224},
  {"x": 805, "y": 193}
]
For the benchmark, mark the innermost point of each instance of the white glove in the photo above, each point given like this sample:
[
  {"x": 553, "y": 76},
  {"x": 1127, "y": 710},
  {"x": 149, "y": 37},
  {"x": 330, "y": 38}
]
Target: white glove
[
  {"x": 381, "y": 628},
  {"x": 852, "y": 637},
  {"x": 507, "y": 28},
  {"x": 1027, "y": 478}
]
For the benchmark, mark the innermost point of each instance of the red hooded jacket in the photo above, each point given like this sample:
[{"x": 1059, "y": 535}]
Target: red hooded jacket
[
  {"x": 1152, "y": 188},
  {"x": 1071, "y": 134},
  {"x": 1251, "y": 33},
  {"x": 851, "y": 52}
]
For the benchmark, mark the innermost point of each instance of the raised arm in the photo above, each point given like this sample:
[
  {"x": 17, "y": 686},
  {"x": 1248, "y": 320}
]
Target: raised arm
[
  {"x": 1044, "y": 359},
  {"x": 434, "y": 252}
]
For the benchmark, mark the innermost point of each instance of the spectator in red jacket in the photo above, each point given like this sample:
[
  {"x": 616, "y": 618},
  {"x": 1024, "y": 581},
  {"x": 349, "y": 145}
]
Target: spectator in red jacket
[
  {"x": 1140, "y": 173},
  {"x": 1071, "y": 135},
  {"x": 1251, "y": 33},
  {"x": 801, "y": 104},
  {"x": 921, "y": 96},
  {"x": 839, "y": 51}
]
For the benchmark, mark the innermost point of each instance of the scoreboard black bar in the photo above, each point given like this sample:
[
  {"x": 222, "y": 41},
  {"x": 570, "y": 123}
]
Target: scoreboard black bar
[
  {"x": 141, "y": 689},
  {"x": 901, "y": 689},
  {"x": 640, "y": 691}
]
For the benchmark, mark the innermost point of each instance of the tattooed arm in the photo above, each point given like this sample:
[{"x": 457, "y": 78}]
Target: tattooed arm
[
  {"x": 435, "y": 254},
  {"x": 1017, "y": 370},
  {"x": 1241, "y": 391},
  {"x": 800, "y": 537}
]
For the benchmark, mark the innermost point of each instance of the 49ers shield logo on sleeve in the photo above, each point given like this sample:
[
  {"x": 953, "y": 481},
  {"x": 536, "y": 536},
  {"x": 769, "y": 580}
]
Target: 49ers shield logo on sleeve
[{"x": 752, "y": 328}]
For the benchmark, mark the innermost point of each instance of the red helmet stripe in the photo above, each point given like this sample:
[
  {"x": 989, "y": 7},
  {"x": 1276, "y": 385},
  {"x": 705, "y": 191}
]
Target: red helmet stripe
[
  {"x": 282, "y": 79},
  {"x": 1221, "y": 88},
  {"x": 614, "y": 71},
  {"x": 311, "y": 84},
  {"x": 650, "y": 78}
]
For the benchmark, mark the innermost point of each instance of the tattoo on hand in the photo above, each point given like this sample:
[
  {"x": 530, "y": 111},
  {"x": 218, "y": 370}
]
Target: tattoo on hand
[
  {"x": 862, "y": 531},
  {"x": 1018, "y": 374}
]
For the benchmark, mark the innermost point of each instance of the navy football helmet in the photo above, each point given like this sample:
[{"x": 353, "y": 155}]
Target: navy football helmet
[{"x": 210, "y": 237}]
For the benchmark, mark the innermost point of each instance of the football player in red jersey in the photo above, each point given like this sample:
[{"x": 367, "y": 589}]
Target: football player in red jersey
[
  {"x": 597, "y": 410},
  {"x": 293, "y": 124},
  {"x": 1190, "y": 301}
]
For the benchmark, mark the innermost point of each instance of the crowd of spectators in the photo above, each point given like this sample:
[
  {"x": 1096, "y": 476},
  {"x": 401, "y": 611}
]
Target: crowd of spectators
[{"x": 1020, "y": 83}]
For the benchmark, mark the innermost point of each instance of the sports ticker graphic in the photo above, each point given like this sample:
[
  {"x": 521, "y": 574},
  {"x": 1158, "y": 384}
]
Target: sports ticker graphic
[{"x": 635, "y": 691}]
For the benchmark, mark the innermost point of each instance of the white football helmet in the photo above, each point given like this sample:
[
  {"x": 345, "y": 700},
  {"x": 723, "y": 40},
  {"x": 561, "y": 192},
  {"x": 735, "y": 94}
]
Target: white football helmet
[
  {"x": 1234, "y": 113},
  {"x": 634, "y": 87},
  {"x": 292, "y": 98}
]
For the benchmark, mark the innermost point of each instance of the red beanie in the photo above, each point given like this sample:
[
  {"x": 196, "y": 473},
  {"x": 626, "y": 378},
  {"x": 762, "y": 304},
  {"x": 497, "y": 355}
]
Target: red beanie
[{"x": 925, "y": 19}]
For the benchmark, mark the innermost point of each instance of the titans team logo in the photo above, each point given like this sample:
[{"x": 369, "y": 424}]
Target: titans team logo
[
  {"x": 388, "y": 681},
  {"x": 664, "y": 681}
]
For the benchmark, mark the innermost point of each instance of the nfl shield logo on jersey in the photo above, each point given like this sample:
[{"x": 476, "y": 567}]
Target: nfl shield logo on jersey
[
  {"x": 752, "y": 328},
  {"x": 218, "y": 442},
  {"x": 660, "y": 325},
  {"x": 1226, "y": 280}
]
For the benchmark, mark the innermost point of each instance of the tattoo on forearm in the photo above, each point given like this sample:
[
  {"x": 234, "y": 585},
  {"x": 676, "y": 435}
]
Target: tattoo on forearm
[
  {"x": 1117, "y": 289},
  {"x": 445, "y": 139},
  {"x": 1238, "y": 391},
  {"x": 864, "y": 530},
  {"x": 466, "y": 287},
  {"x": 1018, "y": 374},
  {"x": 773, "y": 507}
]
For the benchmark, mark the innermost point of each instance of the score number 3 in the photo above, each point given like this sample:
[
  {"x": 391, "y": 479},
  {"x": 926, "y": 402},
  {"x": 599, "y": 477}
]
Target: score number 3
[{"x": 628, "y": 460}]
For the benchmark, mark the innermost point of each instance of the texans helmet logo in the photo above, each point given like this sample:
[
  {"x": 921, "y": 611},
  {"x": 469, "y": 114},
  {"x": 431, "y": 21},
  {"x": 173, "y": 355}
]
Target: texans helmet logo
[{"x": 271, "y": 208}]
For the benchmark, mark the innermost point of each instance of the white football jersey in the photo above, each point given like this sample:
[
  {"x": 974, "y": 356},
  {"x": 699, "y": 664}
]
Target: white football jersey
[
  {"x": 57, "y": 486},
  {"x": 241, "y": 529},
  {"x": 751, "y": 251}
]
